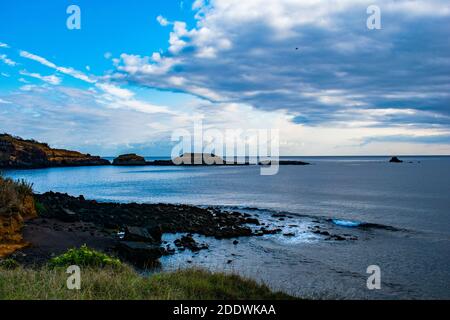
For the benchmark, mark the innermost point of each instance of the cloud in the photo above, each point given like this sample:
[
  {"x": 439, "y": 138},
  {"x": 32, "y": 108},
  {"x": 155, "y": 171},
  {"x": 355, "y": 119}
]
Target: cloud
[
  {"x": 4, "y": 58},
  {"x": 52, "y": 79},
  {"x": 4, "y": 45},
  {"x": 113, "y": 95},
  {"x": 68, "y": 71},
  {"x": 115, "y": 91},
  {"x": 4, "y": 101},
  {"x": 317, "y": 61},
  {"x": 162, "y": 21}
]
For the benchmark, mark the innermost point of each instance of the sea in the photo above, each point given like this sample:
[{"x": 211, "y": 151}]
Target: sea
[{"x": 399, "y": 215}]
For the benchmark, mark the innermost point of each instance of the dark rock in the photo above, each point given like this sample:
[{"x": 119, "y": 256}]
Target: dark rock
[
  {"x": 129, "y": 160},
  {"x": 252, "y": 221},
  {"x": 138, "y": 234},
  {"x": 68, "y": 215},
  {"x": 140, "y": 253},
  {"x": 235, "y": 242},
  {"x": 273, "y": 231},
  {"x": 188, "y": 242},
  {"x": 395, "y": 160},
  {"x": 155, "y": 232},
  {"x": 291, "y": 234}
]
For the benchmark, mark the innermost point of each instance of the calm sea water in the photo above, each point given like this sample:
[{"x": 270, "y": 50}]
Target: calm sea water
[{"x": 413, "y": 196}]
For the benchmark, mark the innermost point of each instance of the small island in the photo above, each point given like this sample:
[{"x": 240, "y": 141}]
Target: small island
[
  {"x": 395, "y": 160},
  {"x": 129, "y": 160}
]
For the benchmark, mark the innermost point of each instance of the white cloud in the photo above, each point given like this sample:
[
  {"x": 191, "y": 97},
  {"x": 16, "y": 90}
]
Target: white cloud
[
  {"x": 41, "y": 60},
  {"x": 162, "y": 21},
  {"x": 115, "y": 90},
  {"x": 68, "y": 71},
  {"x": 113, "y": 96},
  {"x": 3, "y": 45},
  {"x": 4, "y": 101},
  {"x": 52, "y": 79},
  {"x": 4, "y": 58}
]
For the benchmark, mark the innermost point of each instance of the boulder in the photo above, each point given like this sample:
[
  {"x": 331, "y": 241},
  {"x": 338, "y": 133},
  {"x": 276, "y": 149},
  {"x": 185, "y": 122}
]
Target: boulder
[
  {"x": 152, "y": 235},
  {"x": 140, "y": 253},
  {"x": 395, "y": 160},
  {"x": 129, "y": 160},
  {"x": 188, "y": 242}
]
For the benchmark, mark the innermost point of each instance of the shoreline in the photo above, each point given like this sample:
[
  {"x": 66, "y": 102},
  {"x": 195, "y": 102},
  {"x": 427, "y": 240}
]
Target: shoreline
[
  {"x": 130, "y": 230},
  {"x": 134, "y": 232}
]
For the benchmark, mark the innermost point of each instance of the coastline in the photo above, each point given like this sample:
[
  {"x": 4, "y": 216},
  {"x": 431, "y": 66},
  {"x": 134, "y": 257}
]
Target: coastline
[{"x": 136, "y": 232}]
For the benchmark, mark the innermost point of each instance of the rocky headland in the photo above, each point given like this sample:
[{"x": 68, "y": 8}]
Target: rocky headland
[{"x": 19, "y": 153}]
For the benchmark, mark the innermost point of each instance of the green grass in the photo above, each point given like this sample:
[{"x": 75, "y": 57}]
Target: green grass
[
  {"x": 125, "y": 284},
  {"x": 106, "y": 278}
]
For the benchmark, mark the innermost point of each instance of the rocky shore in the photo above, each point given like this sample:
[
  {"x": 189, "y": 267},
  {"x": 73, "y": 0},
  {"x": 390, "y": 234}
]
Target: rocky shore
[{"x": 131, "y": 231}]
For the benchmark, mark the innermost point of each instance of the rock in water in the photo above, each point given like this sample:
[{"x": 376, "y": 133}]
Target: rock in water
[
  {"x": 395, "y": 160},
  {"x": 188, "y": 242},
  {"x": 16, "y": 152},
  {"x": 138, "y": 234},
  {"x": 140, "y": 253},
  {"x": 129, "y": 160}
]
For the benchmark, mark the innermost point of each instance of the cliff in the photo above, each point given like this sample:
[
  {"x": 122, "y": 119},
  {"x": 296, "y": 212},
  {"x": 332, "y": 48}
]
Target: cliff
[{"x": 19, "y": 153}]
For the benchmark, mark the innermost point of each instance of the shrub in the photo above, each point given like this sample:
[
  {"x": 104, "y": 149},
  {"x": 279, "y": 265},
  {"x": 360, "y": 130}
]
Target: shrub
[
  {"x": 9, "y": 264},
  {"x": 85, "y": 257},
  {"x": 12, "y": 195}
]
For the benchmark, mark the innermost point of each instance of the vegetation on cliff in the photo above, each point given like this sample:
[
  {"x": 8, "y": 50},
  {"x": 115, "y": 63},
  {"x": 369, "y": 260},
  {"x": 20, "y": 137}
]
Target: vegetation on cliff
[
  {"x": 16, "y": 204},
  {"x": 16, "y": 152}
]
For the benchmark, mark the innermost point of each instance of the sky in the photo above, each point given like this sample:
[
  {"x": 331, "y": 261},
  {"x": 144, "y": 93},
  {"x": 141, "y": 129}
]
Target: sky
[{"x": 138, "y": 70}]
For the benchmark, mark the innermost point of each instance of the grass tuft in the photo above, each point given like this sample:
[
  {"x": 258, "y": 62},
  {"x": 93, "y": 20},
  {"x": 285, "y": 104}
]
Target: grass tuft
[
  {"x": 12, "y": 195},
  {"x": 84, "y": 257}
]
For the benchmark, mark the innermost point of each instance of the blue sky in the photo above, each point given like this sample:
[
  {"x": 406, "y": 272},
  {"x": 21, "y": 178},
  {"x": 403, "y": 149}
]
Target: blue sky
[{"x": 137, "y": 70}]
